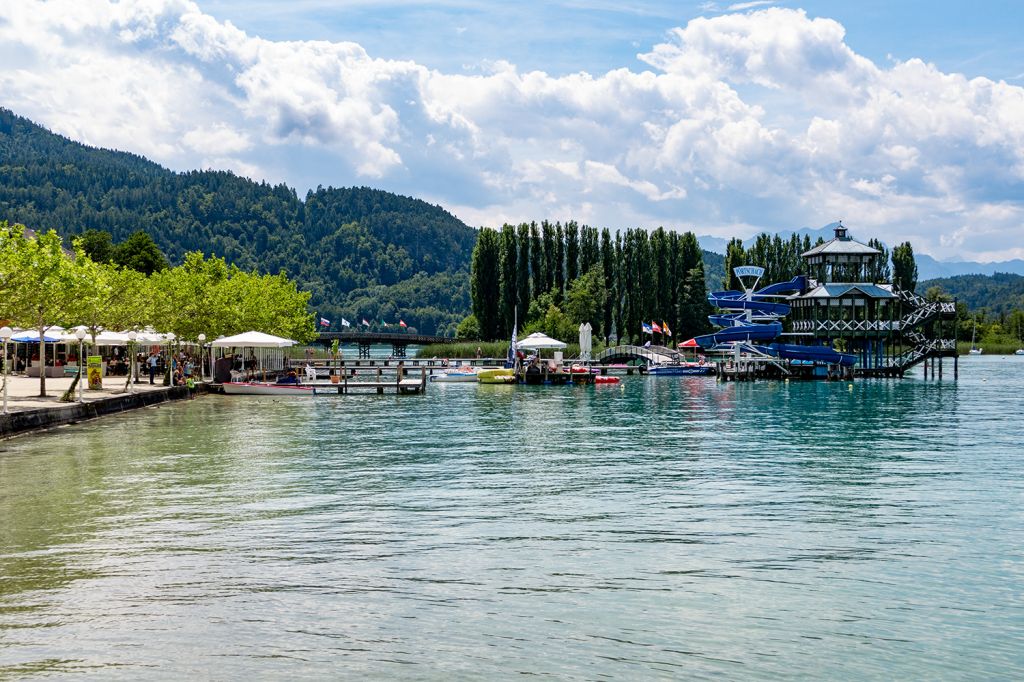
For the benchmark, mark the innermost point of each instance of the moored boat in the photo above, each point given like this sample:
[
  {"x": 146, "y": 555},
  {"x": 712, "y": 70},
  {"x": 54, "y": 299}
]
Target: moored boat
[
  {"x": 684, "y": 369},
  {"x": 496, "y": 376},
  {"x": 261, "y": 388},
  {"x": 457, "y": 375}
]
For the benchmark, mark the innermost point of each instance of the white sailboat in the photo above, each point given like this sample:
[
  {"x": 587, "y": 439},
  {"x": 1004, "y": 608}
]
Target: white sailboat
[
  {"x": 974, "y": 350},
  {"x": 1019, "y": 351}
]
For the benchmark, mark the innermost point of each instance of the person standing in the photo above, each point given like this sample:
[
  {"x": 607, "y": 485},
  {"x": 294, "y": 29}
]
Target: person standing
[{"x": 152, "y": 365}]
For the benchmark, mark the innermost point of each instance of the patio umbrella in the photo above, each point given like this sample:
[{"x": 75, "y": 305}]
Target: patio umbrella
[{"x": 538, "y": 341}]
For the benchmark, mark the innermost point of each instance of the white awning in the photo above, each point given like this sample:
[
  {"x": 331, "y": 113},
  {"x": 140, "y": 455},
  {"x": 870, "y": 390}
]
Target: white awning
[
  {"x": 253, "y": 340},
  {"x": 537, "y": 341}
]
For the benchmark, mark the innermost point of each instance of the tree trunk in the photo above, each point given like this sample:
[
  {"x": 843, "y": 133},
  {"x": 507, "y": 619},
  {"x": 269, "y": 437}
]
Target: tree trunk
[{"x": 42, "y": 360}]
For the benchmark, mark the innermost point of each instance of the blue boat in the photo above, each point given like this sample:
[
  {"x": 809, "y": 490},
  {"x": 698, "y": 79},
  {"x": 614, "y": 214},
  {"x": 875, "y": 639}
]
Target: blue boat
[{"x": 681, "y": 370}]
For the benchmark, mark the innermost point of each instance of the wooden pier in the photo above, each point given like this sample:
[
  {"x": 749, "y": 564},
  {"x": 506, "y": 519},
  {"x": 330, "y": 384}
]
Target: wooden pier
[{"x": 398, "y": 379}]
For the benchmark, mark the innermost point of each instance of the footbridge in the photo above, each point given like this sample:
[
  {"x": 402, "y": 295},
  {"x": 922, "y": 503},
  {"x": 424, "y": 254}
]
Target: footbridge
[
  {"x": 650, "y": 355},
  {"x": 399, "y": 341}
]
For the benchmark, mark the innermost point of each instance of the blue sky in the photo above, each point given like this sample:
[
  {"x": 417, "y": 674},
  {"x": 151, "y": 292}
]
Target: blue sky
[
  {"x": 904, "y": 119},
  {"x": 974, "y": 38}
]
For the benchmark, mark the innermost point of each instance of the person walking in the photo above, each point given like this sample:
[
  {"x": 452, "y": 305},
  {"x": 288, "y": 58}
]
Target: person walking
[{"x": 152, "y": 365}]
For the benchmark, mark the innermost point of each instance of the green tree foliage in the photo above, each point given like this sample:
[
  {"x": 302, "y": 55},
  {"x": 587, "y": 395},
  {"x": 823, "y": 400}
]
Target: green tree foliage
[
  {"x": 97, "y": 245},
  {"x": 469, "y": 328},
  {"x": 140, "y": 253},
  {"x": 523, "y": 272},
  {"x": 509, "y": 255},
  {"x": 538, "y": 260},
  {"x": 904, "y": 267},
  {"x": 611, "y": 290},
  {"x": 879, "y": 270},
  {"x": 735, "y": 256},
  {"x": 39, "y": 282},
  {"x": 550, "y": 256},
  {"x": 486, "y": 284},
  {"x": 585, "y": 300},
  {"x": 572, "y": 252}
]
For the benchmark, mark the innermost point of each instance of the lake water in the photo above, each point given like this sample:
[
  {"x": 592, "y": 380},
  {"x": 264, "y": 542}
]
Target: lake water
[{"x": 664, "y": 528}]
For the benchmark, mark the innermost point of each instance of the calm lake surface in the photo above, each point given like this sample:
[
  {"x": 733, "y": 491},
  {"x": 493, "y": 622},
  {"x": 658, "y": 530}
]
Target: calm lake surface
[{"x": 664, "y": 528}]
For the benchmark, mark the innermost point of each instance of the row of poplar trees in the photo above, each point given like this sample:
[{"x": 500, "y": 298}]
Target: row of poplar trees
[{"x": 529, "y": 274}]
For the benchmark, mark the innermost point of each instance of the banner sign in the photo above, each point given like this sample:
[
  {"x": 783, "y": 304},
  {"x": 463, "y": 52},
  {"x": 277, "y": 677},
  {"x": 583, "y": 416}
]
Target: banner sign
[
  {"x": 748, "y": 271},
  {"x": 94, "y": 369}
]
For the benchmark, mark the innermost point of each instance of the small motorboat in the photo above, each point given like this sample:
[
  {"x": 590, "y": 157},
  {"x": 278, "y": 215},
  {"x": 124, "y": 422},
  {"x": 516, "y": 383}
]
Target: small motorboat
[
  {"x": 496, "y": 376},
  {"x": 262, "y": 388},
  {"x": 457, "y": 375},
  {"x": 683, "y": 369}
]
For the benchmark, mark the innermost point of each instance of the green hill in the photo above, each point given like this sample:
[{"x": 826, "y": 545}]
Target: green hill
[
  {"x": 998, "y": 294},
  {"x": 362, "y": 252}
]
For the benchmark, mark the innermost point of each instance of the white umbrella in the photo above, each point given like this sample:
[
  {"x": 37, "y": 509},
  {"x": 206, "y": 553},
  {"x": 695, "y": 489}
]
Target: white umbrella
[
  {"x": 538, "y": 341},
  {"x": 253, "y": 340}
]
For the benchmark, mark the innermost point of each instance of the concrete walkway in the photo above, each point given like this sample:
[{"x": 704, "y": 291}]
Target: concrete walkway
[{"x": 23, "y": 392}]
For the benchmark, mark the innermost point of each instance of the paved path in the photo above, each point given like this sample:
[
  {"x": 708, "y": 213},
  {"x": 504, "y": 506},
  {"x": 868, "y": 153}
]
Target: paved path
[{"x": 23, "y": 392}]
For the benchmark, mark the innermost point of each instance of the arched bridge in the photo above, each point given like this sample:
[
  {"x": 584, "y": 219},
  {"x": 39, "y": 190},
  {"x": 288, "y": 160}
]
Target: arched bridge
[
  {"x": 650, "y": 355},
  {"x": 398, "y": 340}
]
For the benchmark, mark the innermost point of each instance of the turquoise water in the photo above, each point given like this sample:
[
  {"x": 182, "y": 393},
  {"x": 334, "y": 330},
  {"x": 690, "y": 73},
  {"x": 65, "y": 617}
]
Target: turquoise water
[{"x": 665, "y": 528}]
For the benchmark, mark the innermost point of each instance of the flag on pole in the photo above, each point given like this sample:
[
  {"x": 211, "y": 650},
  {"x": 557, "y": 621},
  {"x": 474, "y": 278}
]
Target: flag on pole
[
  {"x": 665, "y": 330},
  {"x": 384, "y": 324},
  {"x": 365, "y": 322},
  {"x": 646, "y": 328},
  {"x": 345, "y": 323},
  {"x": 402, "y": 324},
  {"x": 655, "y": 328},
  {"x": 324, "y": 322}
]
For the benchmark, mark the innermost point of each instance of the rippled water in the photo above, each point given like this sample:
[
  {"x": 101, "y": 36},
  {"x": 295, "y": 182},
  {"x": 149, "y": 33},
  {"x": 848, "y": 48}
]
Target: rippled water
[{"x": 665, "y": 528}]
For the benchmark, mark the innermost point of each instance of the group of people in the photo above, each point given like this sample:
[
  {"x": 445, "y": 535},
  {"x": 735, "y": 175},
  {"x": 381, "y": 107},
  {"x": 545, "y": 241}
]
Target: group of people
[{"x": 182, "y": 364}]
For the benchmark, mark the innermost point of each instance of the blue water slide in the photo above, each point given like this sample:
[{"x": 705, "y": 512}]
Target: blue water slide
[
  {"x": 797, "y": 284},
  {"x": 742, "y": 332},
  {"x": 763, "y": 307}
]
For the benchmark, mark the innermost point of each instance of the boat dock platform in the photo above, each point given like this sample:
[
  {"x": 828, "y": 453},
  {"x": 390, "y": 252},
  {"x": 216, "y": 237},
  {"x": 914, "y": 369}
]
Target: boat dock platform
[{"x": 402, "y": 380}]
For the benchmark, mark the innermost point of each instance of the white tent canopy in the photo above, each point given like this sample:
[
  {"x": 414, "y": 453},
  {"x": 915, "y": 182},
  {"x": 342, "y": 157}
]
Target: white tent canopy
[
  {"x": 538, "y": 341},
  {"x": 253, "y": 340}
]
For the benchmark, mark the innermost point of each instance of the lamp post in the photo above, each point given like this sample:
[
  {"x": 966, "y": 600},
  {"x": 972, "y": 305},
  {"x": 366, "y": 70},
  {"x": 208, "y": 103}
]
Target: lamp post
[
  {"x": 169, "y": 368},
  {"x": 202, "y": 340},
  {"x": 80, "y": 334},
  {"x": 6, "y": 333},
  {"x": 132, "y": 336}
]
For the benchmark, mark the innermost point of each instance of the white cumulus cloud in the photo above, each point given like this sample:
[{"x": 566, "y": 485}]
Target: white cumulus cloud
[{"x": 763, "y": 119}]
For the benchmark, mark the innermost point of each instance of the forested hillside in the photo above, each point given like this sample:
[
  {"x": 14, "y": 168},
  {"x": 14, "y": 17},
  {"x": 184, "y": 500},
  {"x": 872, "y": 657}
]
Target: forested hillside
[
  {"x": 361, "y": 252},
  {"x": 998, "y": 294}
]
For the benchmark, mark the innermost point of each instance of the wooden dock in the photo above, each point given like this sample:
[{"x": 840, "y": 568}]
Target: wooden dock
[{"x": 372, "y": 379}]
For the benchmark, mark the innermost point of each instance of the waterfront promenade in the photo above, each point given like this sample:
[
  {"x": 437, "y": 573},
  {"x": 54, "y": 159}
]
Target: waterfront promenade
[{"x": 28, "y": 412}]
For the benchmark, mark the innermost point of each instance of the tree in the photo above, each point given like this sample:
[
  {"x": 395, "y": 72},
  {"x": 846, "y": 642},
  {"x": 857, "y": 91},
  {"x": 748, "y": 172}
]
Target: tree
[
  {"x": 523, "y": 274},
  {"x": 139, "y": 252},
  {"x": 98, "y": 245},
  {"x": 468, "y": 329},
  {"x": 39, "y": 283},
  {"x": 538, "y": 260},
  {"x": 585, "y": 299},
  {"x": 611, "y": 291},
  {"x": 509, "y": 278},
  {"x": 550, "y": 254},
  {"x": 485, "y": 273},
  {"x": 735, "y": 256},
  {"x": 572, "y": 252},
  {"x": 559, "y": 280},
  {"x": 904, "y": 268}
]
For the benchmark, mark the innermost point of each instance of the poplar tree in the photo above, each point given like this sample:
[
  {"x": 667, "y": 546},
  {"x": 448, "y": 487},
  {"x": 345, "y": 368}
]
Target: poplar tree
[
  {"x": 735, "y": 256},
  {"x": 904, "y": 267},
  {"x": 559, "y": 283},
  {"x": 485, "y": 284},
  {"x": 509, "y": 276},
  {"x": 572, "y": 253},
  {"x": 538, "y": 260},
  {"x": 620, "y": 329},
  {"x": 611, "y": 290},
  {"x": 550, "y": 254},
  {"x": 523, "y": 275}
]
